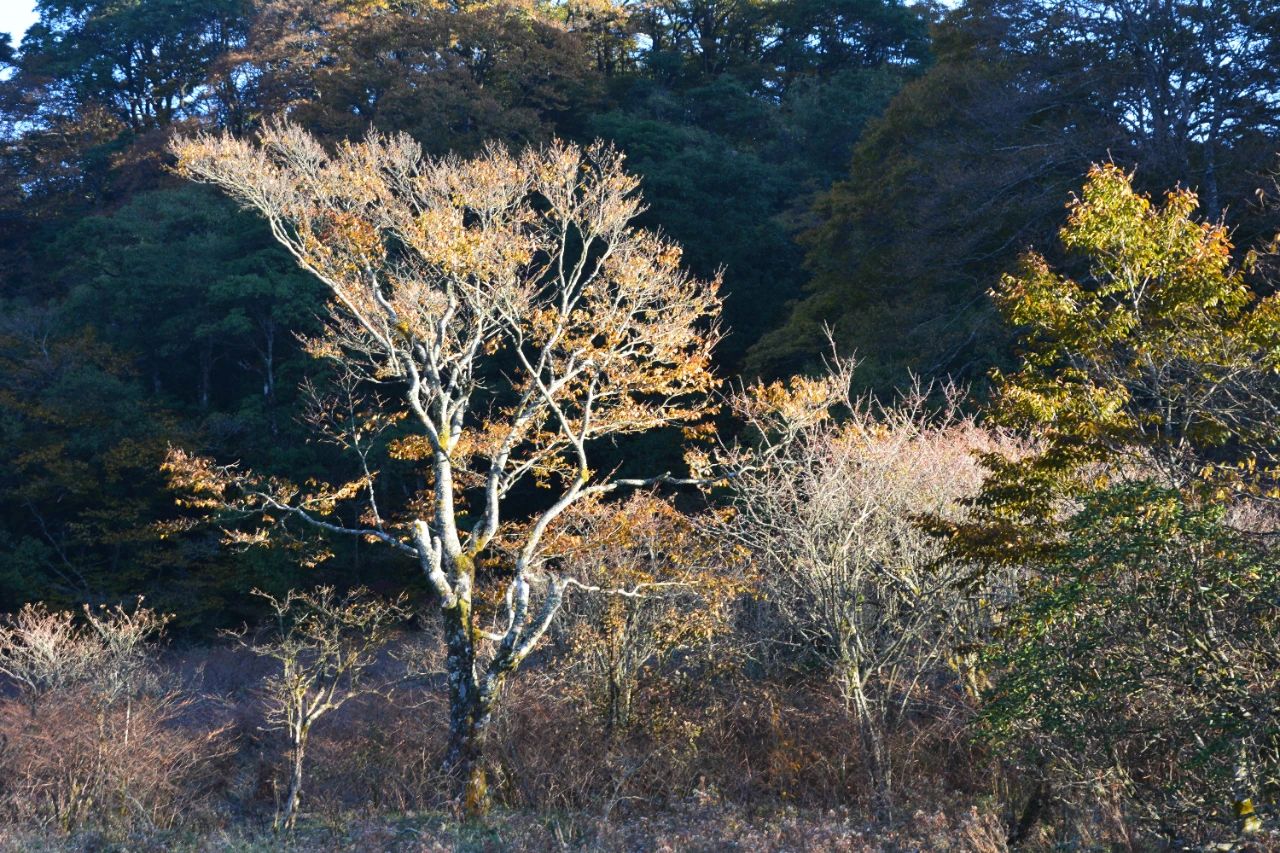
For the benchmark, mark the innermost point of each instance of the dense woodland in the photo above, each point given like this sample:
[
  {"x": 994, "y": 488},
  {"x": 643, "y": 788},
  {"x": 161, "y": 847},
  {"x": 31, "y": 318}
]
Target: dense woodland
[{"x": 689, "y": 424}]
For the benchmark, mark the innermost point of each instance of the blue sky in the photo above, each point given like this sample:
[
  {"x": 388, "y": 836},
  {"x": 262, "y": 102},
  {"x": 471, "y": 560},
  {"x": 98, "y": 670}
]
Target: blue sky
[{"x": 16, "y": 16}]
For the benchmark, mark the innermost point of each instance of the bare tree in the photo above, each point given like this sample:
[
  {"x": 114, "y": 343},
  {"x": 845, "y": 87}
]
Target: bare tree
[
  {"x": 325, "y": 645},
  {"x": 830, "y": 509},
  {"x": 512, "y": 317}
]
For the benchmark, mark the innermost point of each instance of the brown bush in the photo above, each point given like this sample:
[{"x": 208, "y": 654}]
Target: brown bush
[
  {"x": 381, "y": 754},
  {"x": 714, "y": 759},
  {"x": 129, "y": 765},
  {"x": 90, "y": 739},
  {"x": 673, "y": 581}
]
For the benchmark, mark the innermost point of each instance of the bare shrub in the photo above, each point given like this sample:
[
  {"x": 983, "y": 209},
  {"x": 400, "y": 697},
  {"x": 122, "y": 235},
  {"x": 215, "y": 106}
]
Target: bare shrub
[
  {"x": 379, "y": 756},
  {"x": 126, "y": 661},
  {"x": 382, "y": 751},
  {"x": 830, "y": 511},
  {"x": 42, "y": 651}
]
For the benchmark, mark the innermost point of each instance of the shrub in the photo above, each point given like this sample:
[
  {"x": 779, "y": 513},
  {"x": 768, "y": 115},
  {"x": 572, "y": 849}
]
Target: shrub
[
  {"x": 1145, "y": 657},
  {"x": 92, "y": 739},
  {"x": 670, "y": 580}
]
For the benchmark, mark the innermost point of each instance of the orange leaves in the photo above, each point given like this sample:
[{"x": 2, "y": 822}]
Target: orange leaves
[
  {"x": 587, "y": 186},
  {"x": 353, "y": 236},
  {"x": 411, "y": 448},
  {"x": 535, "y": 247},
  {"x": 641, "y": 540},
  {"x": 201, "y": 483},
  {"x": 507, "y": 300},
  {"x": 799, "y": 403},
  {"x": 348, "y": 490},
  {"x": 684, "y": 573},
  {"x": 230, "y": 494}
]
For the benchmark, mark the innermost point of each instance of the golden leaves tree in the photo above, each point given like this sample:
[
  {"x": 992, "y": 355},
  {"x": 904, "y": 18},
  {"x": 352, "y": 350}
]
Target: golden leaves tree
[{"x": 510, "y": 317}]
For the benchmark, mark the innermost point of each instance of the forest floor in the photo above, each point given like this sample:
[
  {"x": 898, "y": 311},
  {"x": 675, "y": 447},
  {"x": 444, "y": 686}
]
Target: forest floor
[{"x": 693, "y": 829}]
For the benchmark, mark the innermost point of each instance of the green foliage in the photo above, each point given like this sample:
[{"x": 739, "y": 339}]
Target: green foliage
[
  {"x": 1155, "y": 347},
  {"x": 80, "y": 492},
  {"x": 59, "y": 456},
  {"x": 143, "y": 59},
  {"x": 832, "y": 36},
  {"x": 201, "y": 293},
  {"x": 1158, "y": 356},
  {"x": 454, "y": 77},
  {"x": 1145, "y": 654},
  {"x": 1153, "y": 359},
  {"x": 738, "y": 115},
  {"x": 772, "y": 45},
  {"x": 723, "y": 204},
  {"x": 729, "y": 173},
  {"x": 824, "y": 117},
  {"x": 964, "y": 164},
  {"x": 177, "y": 325}
]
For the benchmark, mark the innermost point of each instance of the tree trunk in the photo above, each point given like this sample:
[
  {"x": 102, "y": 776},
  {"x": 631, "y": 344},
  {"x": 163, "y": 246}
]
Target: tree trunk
[
  {"x": 269, "y": 361},
  {"x": 1247, "y": 820},
  {"x": 473, "y": 695},
  {"x": 469, "y": 713},
  {"x": 269, "y": 375},
  {"x": 1031, "y": 813},
  {"x": 871, "y": 735},
  {"x": 289, "y": 816},
  {"x": 1211, "y": 205},
  {"x": 465, "y": 759},
  {"x": 206, "y": 375}
]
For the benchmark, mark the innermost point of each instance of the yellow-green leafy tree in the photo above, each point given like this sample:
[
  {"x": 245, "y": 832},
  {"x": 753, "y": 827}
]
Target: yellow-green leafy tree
[
  {"x": 1152, "y": 355},
  {"x": 1148, "y": 383}
]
